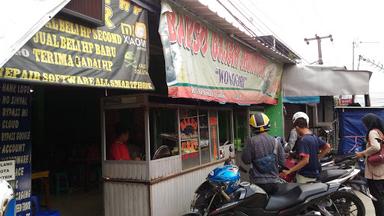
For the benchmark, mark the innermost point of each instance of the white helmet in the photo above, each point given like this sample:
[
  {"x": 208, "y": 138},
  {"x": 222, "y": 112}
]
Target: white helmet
[
  {"x": 300, "y": 115},
  {"x": 6, "y": 195}
]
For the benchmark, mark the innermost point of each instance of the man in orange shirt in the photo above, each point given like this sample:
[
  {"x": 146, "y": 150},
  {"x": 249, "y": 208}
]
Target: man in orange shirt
[{"x": 119, "y": 148}]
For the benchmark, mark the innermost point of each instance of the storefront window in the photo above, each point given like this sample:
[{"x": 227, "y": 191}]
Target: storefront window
[
  {"x": 225, "y": 127},
  {"x": 125, "y": 135},
  {"x": 241, "y": 123},
  {"x": 204, "y": 136},
  {"x": 164, "y": 132},
  {"x": 214, "y": 134},
  {"x": 189, "y": 138}
]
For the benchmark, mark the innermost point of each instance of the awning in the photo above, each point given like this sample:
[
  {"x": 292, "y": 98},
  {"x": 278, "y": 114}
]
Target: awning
[
  {"x": 302, "y": 100},
  {"x": 299, "y": 80},
  {"x": 20, "y": 20}
]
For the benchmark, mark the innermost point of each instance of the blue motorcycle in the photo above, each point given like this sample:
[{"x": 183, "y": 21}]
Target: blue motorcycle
[{"x": 224, "y": 194}]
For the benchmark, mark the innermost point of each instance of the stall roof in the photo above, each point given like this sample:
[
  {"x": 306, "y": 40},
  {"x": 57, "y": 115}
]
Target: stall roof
[
  {"x": 280, "y": 53},
  {"x": 20, "y": 20},
  {"x": 311, "y": 80}
]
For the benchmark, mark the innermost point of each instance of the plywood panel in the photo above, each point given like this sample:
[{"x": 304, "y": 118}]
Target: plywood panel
[{"x": 91, "y": 8}]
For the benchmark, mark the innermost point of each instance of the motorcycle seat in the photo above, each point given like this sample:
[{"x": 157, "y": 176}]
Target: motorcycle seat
[
  {"x": 341, "y": 158},
  {"x": 333, "y": 167},
  {"x": 326, "y": 159},
  {"x": 329, "y": 175},
  {"x": 292, "y": 194}
]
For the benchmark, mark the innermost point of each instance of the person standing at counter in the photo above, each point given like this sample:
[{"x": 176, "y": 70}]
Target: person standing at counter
[{"x": 119, "y": 147}]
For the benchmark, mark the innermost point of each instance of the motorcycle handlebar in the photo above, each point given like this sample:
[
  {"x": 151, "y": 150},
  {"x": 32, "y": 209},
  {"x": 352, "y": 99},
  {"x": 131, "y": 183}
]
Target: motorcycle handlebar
[
  {"x": 241, "y": 168},
  {"x": 225, "y": 195},
  {"x": 219, "y": 189}
]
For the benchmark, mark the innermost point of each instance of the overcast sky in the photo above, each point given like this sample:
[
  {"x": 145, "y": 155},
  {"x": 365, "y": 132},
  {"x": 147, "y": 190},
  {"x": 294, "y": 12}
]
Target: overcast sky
[{"x": 347, "y": 20}]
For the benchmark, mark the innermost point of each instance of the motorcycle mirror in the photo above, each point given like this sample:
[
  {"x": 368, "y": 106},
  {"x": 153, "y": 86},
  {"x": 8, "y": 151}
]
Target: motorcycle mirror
[{"x": 228, "y": 161}]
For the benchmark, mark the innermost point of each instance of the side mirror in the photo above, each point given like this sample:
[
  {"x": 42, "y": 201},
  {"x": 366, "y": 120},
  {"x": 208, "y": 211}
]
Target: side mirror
[{"x": 228, "y": 162}]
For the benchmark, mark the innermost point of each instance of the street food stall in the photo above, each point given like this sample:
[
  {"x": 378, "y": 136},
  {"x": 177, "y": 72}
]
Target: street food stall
[{"x": 175, "y": 144}]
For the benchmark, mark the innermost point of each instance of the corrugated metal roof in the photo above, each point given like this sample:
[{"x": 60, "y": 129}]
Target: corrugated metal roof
[{"x": 218, "y": 20}]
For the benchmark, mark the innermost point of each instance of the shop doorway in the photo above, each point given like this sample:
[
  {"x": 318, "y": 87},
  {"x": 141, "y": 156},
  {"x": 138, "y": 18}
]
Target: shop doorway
[{"x": 66, "y": 149}]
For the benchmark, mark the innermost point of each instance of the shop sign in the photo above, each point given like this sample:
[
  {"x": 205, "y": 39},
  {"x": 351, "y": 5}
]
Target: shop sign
[
  {"x": 189, "y": 136},
  {"x": 7, "y": 170},
  {"x": 205, "y": 64},
  {"x": 15, "y": 142},
  {"x": 68, "y": 53}
]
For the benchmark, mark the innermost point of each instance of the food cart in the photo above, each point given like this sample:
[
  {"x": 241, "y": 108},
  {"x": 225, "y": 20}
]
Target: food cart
[{"x": 175, "y": 143}]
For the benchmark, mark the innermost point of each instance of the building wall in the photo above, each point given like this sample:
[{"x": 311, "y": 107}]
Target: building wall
[
  {"x": 173, "y": 197},
  {"x": 276, "y": 116},
  {"x": 123, "y": 199}
]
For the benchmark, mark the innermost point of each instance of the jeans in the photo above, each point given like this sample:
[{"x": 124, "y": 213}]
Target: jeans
[{"x": 376, "y": 187}]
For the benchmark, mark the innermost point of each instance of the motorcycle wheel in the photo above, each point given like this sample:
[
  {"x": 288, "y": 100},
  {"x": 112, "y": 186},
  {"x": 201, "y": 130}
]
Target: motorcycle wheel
[{"x": 346, "y": 204}]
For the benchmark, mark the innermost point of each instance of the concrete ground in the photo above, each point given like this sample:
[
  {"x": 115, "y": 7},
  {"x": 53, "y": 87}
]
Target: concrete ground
[
  {"x": 90, "y": 203},
  {"x": 79, "y": 203}
]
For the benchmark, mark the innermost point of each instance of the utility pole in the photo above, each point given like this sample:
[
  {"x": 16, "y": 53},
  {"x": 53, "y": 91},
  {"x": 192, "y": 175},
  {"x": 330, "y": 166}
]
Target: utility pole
[{"x": 318, "y": 38}]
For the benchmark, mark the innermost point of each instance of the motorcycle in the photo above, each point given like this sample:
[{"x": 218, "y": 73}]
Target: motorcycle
[
  {"x": 338, "y": 167},
  {"x": 7, "y": 199},
  {"x": 223, "y": 194}
]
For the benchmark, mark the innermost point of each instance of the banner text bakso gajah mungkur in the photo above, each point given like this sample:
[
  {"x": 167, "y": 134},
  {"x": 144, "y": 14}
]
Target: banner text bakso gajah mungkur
[{"x": 204, "y": 64}]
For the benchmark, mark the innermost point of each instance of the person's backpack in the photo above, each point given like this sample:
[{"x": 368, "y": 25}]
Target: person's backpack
[{"x": 267, "y": 163}]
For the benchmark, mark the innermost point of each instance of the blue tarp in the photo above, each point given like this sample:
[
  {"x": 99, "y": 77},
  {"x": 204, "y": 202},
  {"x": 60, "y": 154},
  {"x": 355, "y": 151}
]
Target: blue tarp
[
  {"x": 352, "y": 130},
  {"x": 302, "y": 100}
]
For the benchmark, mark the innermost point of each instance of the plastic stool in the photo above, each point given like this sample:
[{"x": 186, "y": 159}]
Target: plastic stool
[
  {"x": 38, "y": 212},
  {"x": 62, "y": 184}
]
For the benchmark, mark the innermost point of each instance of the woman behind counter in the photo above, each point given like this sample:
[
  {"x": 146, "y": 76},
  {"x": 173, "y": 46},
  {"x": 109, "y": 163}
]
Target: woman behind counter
[{"x": 119, "y": 148}]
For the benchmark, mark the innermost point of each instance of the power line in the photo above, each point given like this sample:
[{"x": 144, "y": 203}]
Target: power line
[
  {"x": 245, "y": 16},
  {"x": 238, "y": 20},
  {"x": 374, "y": 63},
  {"x": 251, "y": 32},
  {"x": 266, "y": 26},
  {"x": 253, "y": 15}
]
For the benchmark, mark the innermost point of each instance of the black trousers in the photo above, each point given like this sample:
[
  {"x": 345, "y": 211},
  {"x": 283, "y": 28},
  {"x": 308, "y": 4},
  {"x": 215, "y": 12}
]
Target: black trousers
[{"x": 376, "y": 187}]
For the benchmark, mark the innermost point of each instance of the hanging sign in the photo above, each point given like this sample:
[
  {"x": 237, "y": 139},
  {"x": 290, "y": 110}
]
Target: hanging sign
[
  {"x": 64, "y": 52},
  {"x": 204, "y": 64},
  {"x": 7, "y": 170}
]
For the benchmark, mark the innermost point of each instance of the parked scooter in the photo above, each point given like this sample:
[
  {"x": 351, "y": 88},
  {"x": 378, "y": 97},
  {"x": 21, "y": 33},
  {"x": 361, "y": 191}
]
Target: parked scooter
[
  {"x": 223, "y": 194},
  {"x": 339, "y": 167},
  {"x": 6, "y": 197}
]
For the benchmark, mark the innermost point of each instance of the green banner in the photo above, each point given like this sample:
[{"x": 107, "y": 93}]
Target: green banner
[
  {"x": 64, "y": 52},
  {"x": 206, "y": 64}
]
